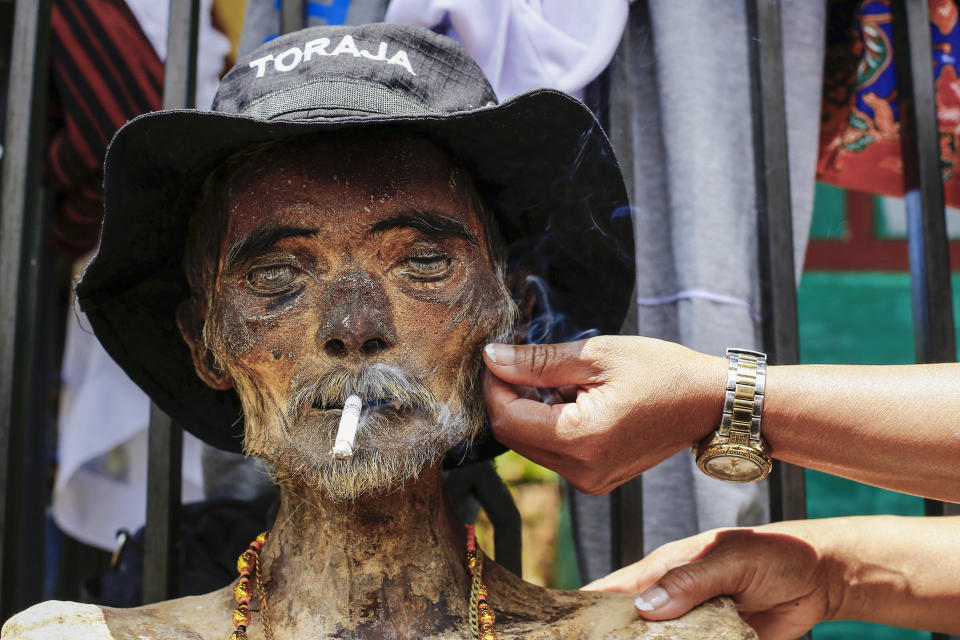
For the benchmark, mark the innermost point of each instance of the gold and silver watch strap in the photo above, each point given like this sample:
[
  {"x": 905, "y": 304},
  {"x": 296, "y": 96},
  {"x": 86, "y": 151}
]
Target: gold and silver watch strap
[{"x": 743, "y": 401}]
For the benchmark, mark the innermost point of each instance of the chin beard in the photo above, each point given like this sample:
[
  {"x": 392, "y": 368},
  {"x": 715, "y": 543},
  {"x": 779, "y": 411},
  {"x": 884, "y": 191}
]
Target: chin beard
[
  {"x": 403, "y": 428},
  {"x": 390, "y": 450}
]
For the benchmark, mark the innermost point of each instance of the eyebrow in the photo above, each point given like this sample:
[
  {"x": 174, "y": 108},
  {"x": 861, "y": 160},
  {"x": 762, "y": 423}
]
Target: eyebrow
[
  {"x": 261, "y": 239},
  {"x": 429, "y": 223}
]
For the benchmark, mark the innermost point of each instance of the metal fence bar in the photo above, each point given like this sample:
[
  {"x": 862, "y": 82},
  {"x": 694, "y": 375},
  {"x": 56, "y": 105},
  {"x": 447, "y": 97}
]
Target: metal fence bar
[
  {"x": 20, "y": 233},
  {"x": 180, "y": 69},
  {"x": 291, "y": 15},
  {"x": 927, "y": 233},
  {"x": 774, "y": 223},
  {"x": 165, "y": 437},
  {"x": 933, "y": 322},
  {"x": 626, "y": 502},
  {"x": 160, "y": 567},
  {"x": 626, "y": 523}
]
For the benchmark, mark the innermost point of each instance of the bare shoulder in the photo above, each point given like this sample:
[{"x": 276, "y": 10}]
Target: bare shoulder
[
  {"x": 612, "y": 616},
  {"x": 57, "y": 619},
  {"x": 191, "y": 618},
  {"x": 527, "y": 611}
]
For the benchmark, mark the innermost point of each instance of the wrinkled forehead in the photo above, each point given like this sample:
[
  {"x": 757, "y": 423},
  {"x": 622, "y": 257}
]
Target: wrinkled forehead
[{"x": 350, "y": 179}]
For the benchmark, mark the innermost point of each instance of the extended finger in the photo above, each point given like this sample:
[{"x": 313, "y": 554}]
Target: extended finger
[
  {"x": 541, "y": 365},
  {"x": 643, "y": 573},
  {"x": 684, "y": 587},
  {"x": 630, "y": 579}
]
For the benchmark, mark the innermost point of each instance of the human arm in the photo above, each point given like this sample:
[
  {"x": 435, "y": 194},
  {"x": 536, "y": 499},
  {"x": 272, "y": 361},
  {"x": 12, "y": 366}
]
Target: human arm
[
  {"x": 787, "y": 576},
  {"x": 628, "y": 402}
]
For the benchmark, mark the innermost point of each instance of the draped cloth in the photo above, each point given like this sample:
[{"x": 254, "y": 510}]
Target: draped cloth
[{"x": 860, "y": 142}]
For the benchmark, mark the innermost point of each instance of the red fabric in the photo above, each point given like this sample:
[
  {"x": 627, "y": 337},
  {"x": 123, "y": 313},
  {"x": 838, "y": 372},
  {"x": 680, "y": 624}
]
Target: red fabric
[
  {"x": 104, "y": 72},
  {"x": 860, "y": 141}
]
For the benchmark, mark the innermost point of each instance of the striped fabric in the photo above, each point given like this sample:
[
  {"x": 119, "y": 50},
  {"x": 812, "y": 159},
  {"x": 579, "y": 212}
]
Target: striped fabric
[{"x": 103, "y": 72}]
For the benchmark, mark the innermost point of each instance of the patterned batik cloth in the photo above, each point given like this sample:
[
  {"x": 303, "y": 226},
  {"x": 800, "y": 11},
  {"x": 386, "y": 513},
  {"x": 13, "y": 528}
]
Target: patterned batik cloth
[{"x": 860, "y": 130}]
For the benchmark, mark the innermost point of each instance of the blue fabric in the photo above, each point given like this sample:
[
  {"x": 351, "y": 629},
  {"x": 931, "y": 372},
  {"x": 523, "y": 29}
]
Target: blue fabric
[
  {"x": 331, "y": 12},
  {"x": 317, "y": 12}
]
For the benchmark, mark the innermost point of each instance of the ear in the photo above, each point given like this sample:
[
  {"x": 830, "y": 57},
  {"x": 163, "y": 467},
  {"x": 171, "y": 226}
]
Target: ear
[
  {"x": 191, "y": 315},
  {"x": 524, "y": 293}
]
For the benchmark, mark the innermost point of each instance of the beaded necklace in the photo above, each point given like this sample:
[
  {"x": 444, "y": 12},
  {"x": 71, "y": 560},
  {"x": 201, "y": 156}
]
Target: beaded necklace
[
  {"x": 481, "y": 613},
  {"x": 248, "y": 566}
]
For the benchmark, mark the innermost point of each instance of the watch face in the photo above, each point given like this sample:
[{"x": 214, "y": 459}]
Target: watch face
[{"x": 733, "y": 468}]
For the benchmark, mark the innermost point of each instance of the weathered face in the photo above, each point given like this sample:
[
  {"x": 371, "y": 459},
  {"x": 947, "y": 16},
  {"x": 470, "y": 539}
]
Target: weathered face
[{"x": 360, "y": 268}]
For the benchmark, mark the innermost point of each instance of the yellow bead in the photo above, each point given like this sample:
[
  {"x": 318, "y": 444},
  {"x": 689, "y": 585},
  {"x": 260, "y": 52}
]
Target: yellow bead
[
  {"x": 246, "y": 562},
  {"x": 482, "y": 593},
  {"x": 238, "y": 635},
  {"x": 241, "y": 616},
  {"x": 485, "y": 614},
  {"x": 487, "y": 633},
  {"x": 243, "y": 591},
  {"x": 471, "y": 561},
  {"x": 260, "y": 540}
]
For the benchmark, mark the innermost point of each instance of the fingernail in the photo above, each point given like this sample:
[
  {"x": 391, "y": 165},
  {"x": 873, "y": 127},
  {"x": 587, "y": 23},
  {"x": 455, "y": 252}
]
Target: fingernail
[
  {"x": 653, "y": 598},
  {"x": 501, "y": 354}
]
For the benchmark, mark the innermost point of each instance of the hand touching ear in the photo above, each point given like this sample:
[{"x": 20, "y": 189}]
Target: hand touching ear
[{"x": 625, "y": 404}]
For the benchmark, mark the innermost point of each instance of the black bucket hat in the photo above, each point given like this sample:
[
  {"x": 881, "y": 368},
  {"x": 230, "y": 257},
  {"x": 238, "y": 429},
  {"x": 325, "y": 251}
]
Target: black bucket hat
[{"x": 540, "y": 160}]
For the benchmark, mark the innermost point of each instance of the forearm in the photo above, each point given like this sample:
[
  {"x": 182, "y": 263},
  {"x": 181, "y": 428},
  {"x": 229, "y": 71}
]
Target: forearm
[
  {"x": 631, "y": 402},
  {"x": 890, "y": 570},
  {"x": 892, "y": 426}
]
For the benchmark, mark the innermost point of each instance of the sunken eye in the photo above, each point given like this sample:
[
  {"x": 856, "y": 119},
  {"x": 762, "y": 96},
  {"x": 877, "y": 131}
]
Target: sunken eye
[
  {"x": 430, "y": 267},
  {"x": 271, "y": 279}
]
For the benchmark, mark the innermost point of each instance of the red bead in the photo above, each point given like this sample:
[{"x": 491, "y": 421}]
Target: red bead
[{"x": 471, "y": 538}]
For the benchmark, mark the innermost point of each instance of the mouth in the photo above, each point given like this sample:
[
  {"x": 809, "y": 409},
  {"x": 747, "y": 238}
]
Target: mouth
[{"x": 369, "y": 405}]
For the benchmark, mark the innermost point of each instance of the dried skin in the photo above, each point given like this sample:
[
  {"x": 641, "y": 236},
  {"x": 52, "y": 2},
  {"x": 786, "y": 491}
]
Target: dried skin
[
  {"x": 366, "y": 547},
  {"x": 354, "y": 289}
]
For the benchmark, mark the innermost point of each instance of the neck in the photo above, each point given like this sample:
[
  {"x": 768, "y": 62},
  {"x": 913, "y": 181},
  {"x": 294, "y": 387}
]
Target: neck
[{"x": 388, "y": 566}]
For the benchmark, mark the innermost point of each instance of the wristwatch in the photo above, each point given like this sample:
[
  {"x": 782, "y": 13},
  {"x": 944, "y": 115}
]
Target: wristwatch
[{"x": 736, "y": 451}]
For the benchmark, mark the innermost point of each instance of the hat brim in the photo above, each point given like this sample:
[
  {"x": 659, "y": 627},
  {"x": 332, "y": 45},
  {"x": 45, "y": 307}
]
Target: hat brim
[{"x": 540, "y": 160}]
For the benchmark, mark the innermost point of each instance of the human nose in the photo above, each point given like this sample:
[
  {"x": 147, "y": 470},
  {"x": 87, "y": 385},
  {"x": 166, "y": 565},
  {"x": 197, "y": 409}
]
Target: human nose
[{"x": 356, "y": 317}]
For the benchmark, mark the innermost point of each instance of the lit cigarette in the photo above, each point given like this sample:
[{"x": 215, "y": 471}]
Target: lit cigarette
[{"x": 347, "y": 432}]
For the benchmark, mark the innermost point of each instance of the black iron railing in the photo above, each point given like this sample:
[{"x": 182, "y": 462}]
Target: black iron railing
[
  {"x": 166, "y": 437},
  {"x": 21, "y": 224}
]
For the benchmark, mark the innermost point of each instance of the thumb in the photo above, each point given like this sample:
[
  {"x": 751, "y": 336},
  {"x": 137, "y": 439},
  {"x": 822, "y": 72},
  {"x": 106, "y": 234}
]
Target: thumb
[
  {"x": 540, "y": 365},
  {"x": 684, "y": 587}
]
